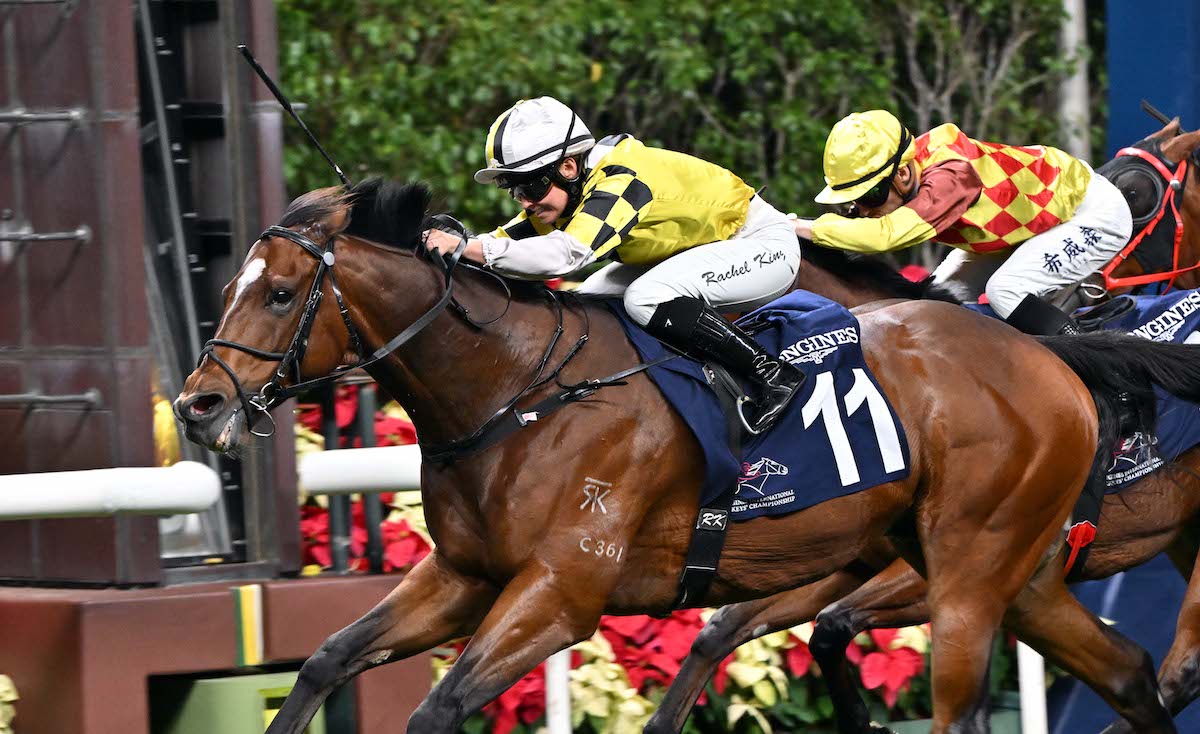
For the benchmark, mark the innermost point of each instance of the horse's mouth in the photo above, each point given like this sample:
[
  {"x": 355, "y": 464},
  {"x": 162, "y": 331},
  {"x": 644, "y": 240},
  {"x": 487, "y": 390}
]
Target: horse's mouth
[{"x": 231, "y": 432}]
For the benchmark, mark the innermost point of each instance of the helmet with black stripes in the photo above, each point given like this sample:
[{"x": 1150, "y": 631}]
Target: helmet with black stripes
[{"x": 532, "y": 135}]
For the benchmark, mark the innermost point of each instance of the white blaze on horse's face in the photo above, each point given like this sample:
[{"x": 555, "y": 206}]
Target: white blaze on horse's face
[{"x": 252, "y": 272}]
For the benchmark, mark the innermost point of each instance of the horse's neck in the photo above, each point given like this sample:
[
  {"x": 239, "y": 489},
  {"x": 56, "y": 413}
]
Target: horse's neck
[
  {"x": 450, "y": 377},
  {"x": 815, "y": 279}
]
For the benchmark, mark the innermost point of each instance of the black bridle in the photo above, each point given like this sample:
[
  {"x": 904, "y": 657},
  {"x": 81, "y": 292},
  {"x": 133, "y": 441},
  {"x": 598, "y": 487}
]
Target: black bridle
[
  {"x": 508, "y": 418},
  {"x": 275, "y": 391}
]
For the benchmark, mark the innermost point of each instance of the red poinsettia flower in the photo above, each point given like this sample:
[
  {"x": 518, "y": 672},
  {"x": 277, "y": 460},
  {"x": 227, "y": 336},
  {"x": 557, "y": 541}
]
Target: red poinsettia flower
[
  {"x": 524, "y": 703},
  {"x": 889, "y": 669},
  {"x": 345, "y": 405},
  {"x": 798, "y": 659},
  {"x": 402, "y": 548},
  {"x": 651, "y": 650}
]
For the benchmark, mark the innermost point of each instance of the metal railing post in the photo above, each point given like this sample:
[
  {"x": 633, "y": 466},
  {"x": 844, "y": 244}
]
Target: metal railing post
[
  {"x": 339, "y": 505},
  {"x": 367, "y": 405}
]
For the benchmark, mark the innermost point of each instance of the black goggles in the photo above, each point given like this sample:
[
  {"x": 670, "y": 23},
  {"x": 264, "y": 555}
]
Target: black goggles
[
  {"x": 877, "y": 194},
  {"x": 531, "y": 187}
]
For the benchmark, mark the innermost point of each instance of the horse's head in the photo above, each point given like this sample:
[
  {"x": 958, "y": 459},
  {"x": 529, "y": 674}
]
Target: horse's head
[
  {"x": 285, "y": 319},
  {"x": 1146, "y": 173}
]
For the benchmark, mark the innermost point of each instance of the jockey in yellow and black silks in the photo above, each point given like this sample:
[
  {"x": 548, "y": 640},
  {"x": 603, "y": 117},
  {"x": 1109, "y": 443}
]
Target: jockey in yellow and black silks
[
  {"x": 1029, "y": 222},
  {"x": 685, "y": 239}
]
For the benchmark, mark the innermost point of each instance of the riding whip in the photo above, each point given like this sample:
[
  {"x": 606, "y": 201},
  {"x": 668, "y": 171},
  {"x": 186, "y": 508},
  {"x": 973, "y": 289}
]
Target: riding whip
[
  {"x": 1154, "y": 112},
  {"x": 288, "y": 106}
]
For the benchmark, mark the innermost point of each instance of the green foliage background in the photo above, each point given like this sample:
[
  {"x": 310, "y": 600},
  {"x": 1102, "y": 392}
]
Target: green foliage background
[{"x": 409, "y": 89}]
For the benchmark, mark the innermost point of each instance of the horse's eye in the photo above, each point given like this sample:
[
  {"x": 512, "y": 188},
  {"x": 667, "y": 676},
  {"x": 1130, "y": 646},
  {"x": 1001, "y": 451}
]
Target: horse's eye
[{"x": 280, "y": 297}]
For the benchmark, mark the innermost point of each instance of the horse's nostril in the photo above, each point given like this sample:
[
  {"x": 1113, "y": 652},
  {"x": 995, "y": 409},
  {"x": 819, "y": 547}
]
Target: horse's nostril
[{"x": 202, "y": 404}]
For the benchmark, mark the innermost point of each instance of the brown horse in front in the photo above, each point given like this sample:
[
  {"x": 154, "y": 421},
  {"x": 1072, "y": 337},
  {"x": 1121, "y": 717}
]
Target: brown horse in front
[
  {"x": 1002, "y": 435},
  {"x": 1160, "y": 513}
]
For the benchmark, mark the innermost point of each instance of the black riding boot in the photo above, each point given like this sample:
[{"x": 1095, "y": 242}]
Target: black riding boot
[
  {"x": 1035, "y": 316},
  {"x": 690, "y": 325}
]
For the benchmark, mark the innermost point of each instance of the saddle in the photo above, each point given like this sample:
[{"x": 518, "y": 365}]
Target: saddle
[{"x": 840, "y": 429}]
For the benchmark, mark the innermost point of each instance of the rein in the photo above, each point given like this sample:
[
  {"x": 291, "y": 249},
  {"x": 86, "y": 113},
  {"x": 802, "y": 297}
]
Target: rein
[
  {"x": 274, "y": 392},
  {"x": 1176, "y": 181},
  {"x": 506, "y": 420}
]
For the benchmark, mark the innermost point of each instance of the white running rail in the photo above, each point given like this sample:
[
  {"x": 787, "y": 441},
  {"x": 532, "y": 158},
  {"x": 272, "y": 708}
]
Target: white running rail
[
  {"x": 350, "y": 471},
  {"x": 181, "y": 489}
]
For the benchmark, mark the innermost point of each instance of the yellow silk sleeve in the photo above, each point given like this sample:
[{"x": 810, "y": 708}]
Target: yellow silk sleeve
[{"x": 896, "y": 231}]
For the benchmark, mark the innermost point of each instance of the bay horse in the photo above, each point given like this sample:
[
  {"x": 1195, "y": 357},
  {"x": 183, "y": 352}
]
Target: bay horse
[
  {"x": 1001, "y": 431},
  {"x": 1158, "y": 513},
  {"x": 1144, "y": 172}
]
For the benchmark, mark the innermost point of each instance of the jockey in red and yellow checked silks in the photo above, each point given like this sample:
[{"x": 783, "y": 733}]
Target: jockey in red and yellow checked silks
[{"x": 1028, "y": 222}]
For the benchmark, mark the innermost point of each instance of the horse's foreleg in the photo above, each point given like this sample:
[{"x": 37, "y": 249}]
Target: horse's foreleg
[
  {"x": 734, "y": 625},
  {"x": 1047, "y": 618},
  {"x": 893, "y": 598},
  {"x": 431, "y": 605},
  {"x": 537, "y": 614}
]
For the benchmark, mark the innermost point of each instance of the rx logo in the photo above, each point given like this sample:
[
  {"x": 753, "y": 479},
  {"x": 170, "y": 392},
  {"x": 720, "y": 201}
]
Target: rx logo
[
  {"x": 594, "y": 493},
  {"x": 712, "y": 519}
]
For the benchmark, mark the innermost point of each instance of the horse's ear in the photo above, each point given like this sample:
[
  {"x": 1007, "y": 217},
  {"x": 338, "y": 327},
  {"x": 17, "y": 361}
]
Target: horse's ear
[
  {"x": 337, "y": 220},
  {"x": 1180, "y": 147},
  {"x": 1168, "y": 132}
]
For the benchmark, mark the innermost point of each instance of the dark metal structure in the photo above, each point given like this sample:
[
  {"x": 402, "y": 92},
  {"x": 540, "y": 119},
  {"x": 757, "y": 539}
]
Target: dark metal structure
[{"x": 139, "y": 158}]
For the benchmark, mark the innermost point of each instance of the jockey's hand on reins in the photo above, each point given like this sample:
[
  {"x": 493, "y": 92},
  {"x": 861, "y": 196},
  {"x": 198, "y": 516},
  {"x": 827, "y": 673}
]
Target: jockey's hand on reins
[{"x": 444, "y": 242}]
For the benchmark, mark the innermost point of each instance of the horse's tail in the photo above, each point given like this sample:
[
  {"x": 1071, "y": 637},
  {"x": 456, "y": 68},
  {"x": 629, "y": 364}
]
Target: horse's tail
[
  {"x": 1117, "y": 363},
  {"x": 1116, "y": 366}
]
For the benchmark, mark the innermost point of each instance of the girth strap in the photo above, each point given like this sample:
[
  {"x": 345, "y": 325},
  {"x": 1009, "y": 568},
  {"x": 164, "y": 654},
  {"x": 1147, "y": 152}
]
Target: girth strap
[{"x": 708, "y": 534}]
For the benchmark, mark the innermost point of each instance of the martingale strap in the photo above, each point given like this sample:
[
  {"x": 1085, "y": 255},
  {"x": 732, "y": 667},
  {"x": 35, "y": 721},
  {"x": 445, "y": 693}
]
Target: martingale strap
[{"x": 1175, "y": 184}]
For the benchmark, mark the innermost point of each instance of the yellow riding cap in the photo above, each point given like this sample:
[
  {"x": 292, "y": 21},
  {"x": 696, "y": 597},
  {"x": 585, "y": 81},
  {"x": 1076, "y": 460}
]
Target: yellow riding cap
[
  {"x": 531, "y": 134},
  {"x": 861, "y": 151}
]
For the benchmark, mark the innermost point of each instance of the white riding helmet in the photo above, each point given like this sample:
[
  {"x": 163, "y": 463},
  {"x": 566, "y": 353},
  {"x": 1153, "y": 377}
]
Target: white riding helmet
[{"x": 532, "y": 134}]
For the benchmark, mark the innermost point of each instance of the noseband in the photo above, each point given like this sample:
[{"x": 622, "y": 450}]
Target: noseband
[{"x": 275, "y": 392}]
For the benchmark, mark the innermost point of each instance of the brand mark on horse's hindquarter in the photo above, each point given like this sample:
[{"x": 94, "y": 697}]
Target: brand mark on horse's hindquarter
[
  {"x": 594, "y": 493},
  {"x": 601, "y": 548}
]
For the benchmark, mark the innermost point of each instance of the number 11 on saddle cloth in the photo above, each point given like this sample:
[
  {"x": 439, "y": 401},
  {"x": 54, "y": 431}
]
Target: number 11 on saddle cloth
[{"x": 838, "y": 437}]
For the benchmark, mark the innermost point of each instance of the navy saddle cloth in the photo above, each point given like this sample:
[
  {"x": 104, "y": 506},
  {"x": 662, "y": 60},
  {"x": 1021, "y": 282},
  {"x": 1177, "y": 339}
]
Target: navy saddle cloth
[
  {"x": 839, "y": 435},
  {"x": 1173, "y": 318}
]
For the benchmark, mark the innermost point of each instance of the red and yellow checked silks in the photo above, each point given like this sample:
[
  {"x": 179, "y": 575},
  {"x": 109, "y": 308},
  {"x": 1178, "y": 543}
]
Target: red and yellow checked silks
[
  {"x": 1026, "y": 190},
  {"x": 973, "y": 195}
]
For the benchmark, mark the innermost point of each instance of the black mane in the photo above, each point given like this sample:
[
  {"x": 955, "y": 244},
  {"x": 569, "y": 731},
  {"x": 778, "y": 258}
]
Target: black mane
[
  {"x": 389, "y": 212},
  {"x": 385, "y": 212},
  {"x": 871, "y": 272}
]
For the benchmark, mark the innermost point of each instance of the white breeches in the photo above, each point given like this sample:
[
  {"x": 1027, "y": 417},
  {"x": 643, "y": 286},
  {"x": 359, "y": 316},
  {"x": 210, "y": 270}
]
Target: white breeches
[
  {"x": 1046, "y": 264},
  {"x": 756, "y": 265}
]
